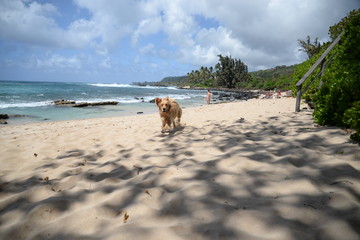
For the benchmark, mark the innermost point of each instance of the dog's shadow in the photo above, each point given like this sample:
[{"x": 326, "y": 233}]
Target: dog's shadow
[{"x": 172, "y": 132}]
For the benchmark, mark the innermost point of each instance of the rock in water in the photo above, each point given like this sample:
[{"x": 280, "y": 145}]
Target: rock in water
[{"x": 87, "y": 104}]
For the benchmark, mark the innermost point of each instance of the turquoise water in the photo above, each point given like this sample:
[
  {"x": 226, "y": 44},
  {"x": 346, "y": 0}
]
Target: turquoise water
[{"x": 34, "y": 100}]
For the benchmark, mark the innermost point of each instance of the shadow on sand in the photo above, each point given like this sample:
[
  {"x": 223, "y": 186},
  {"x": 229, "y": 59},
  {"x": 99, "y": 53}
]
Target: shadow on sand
[{"x": 263, "y": 181}]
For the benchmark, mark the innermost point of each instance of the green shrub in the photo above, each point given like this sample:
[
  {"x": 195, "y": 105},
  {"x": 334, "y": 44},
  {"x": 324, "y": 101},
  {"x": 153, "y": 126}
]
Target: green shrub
[
  {"x": 336, "y": 102},
  {"x": 352, "y": 119}
]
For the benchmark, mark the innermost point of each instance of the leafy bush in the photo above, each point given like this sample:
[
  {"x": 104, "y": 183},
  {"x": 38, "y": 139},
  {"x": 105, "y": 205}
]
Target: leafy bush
[
  {"x": 336, "y": 102},
  {"x": 352, "y": 119}
]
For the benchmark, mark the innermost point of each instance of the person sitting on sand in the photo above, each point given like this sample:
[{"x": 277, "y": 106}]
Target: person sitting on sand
[
  {"x": 268, "y": 95},
  {"x": 208, "y": 96}
]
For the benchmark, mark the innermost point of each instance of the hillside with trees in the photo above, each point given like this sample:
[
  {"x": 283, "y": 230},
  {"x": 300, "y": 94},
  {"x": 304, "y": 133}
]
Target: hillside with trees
[{"x": 278, "y": 77}]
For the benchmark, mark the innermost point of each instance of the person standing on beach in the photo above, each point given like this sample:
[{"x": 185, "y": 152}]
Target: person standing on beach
[{"x": 208, "y": 96}]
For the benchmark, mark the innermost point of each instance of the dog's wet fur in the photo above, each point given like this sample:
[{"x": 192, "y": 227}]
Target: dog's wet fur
[{"x": 170, "y": 113}]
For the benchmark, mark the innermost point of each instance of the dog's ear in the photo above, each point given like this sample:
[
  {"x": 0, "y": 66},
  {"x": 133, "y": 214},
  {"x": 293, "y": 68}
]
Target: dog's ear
[{"x": 158, "y": 101}]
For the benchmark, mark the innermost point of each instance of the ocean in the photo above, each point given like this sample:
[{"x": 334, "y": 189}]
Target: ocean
[{"x": 33, "y": 101}]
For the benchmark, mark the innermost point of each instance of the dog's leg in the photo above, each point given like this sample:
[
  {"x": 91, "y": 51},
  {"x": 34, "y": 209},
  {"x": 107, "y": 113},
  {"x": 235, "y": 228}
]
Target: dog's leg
[
  {"x": 179, "y": 117},
  {"x": 163, "y": 128},
  {"x": 171, "y": 122}
]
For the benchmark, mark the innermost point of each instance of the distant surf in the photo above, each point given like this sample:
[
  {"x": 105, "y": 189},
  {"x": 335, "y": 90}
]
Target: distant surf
[{"x": 35, "y": 99}]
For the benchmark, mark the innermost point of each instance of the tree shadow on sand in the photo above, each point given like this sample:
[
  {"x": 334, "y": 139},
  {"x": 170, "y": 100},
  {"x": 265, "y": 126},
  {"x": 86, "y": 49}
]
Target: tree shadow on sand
[{"x": 262, "y": 181}]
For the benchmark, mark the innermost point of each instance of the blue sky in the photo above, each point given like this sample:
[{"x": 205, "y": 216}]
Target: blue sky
[{"x": 124, "y": 41}]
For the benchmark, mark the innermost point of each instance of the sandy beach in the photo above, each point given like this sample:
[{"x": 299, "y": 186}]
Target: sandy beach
[{"x": 242, "y": 170}]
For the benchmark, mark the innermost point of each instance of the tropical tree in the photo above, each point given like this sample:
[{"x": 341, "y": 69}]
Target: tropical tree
[
  {"x": 204, "y": 77},
  {"x": 231, "y": 72},
  {"x": 310, "y": 48}
]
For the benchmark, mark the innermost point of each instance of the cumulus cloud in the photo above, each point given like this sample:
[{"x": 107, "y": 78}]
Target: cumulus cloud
[
  {"x": 30, "y": 23},
  {"x": 57, "y": 61},
  {"x": 261, "y": 33},
  {"x": 35, "y": 23}
]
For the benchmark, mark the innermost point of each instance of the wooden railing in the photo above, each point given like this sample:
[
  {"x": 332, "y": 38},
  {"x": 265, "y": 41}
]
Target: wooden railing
[{"x": 322, "y": 62}]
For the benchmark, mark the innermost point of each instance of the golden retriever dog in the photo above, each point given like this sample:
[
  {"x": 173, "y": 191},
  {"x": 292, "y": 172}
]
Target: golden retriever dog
[{"x": 169, "y": 110}]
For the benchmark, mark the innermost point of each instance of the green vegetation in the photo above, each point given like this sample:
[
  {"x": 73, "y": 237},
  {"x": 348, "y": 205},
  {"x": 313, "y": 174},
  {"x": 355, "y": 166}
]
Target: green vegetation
[
  {"x": 233, "y": 73},
  {"x": 173, "y": 81},
  {"x": 228, "y": 73},
  {"x": 302, "y": 68},
  {"x": 165, "y": 82},
  {"x": 336, "y": 29},
  {"x": 337, "y": 100},
  {"x": 204, "y": 77},
  {"x": 279, "y": 77}
]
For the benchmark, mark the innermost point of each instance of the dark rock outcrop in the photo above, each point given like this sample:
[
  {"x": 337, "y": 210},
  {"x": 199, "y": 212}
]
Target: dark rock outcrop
[
  {"x": 64, "y": 102},
  {"x": 16, "y": 115},
  {"x": 87, "y": 104},
  {"x": 4, "y": 116},
  {"x": 83, "y": 104}
]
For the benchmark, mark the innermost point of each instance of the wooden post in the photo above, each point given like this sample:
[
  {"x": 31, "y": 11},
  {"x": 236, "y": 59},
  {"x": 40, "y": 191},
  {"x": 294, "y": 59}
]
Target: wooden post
[
  {"x": 322, "y": 72},
  {"x": 298, "y": 98}
]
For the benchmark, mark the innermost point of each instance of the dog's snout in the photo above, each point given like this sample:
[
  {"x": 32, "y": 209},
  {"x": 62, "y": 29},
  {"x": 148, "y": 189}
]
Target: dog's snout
[{"x": 164, "y": 109}]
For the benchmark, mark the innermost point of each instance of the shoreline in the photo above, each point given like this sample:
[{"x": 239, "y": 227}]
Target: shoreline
[
  {"x": 147, "y": 111},
  {"x": 251, "y": 169},
  {"x": 102, "y": 110}
]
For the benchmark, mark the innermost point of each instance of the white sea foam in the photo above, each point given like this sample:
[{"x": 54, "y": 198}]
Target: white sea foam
[
  {"x": 109, "y": 85},
  {"x": 25, "y": 105},
  {"x": 120, "y": 100},
  {"x": 123, "y": 99},
  {"x": 173, "y": 88},
  {"x": 157, "y": 87}
]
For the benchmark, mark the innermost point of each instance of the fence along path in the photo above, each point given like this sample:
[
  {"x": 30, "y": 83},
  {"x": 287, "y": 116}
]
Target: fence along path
[{"x": 322, "y": 62}]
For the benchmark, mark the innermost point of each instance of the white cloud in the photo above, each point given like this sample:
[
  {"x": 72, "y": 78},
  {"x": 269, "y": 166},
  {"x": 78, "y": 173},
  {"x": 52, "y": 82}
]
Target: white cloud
[
  {"x": 106, "y": 63},
  {"x": 149, "y": 49},
  {"x": 262, "y": 33},
  {"x": 30, "y": 24},
  {"x": 269, "y": 30},
  {"x": 147, "y": 27},
  {"x": 34, "y": 23},
  {"x": 153, "y": 65},
  {"x": 113, "y": 19},
  {"x": 56, "y": 61}
]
